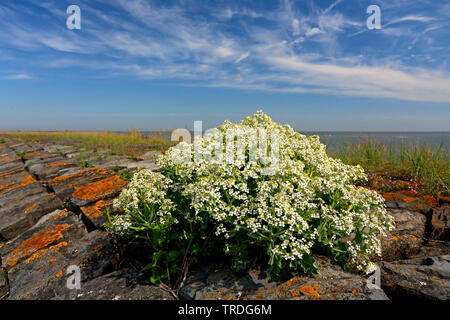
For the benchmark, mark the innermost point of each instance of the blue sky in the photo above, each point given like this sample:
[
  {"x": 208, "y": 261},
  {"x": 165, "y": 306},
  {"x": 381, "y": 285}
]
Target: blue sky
[{"x": 150, "y": 64}]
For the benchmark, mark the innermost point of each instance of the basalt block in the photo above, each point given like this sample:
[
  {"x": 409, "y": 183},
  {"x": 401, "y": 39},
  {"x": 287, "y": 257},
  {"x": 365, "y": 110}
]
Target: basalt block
[
  {"x": 440, "y": 224},
  {"x": 51, "y": 169},
  {"x": 95, "y": 212},
  {"x": 92, "y": 256},
  {"x": 407, "y": 237},
  {"x": 4, "y": 286},
  {"x": 117, "y": 285},
  {"x": 408, "y": 200},
  {"x": 11, "y": 167},
  {"x": 98, "y": 190},
  {"x": 219, "y": 282},
  {"x": 18, "y": 216},
  {"x": 12, "y": 177},
  {"x": 65, "y": 185},
  {"x": 9, "y": 162},
  {"x": 426, "y": 276},
  {"x": 37, "y": 261}
]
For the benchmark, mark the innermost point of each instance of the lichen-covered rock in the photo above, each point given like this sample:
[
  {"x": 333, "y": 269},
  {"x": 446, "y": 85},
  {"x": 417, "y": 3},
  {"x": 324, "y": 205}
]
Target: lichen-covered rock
[
  {"x": 407, "y": 237},
  {"x": 117, "y": 285},
  {"x": 37, "y": 261},
  {"x": 408, "y": 200},
  {"x": 23, "y": 200},
  {"x": 426, "y": 276},
  {"x": 95, "y": 212},
  {"x": 440, "y": 224},
  {"x": 219, "y": 282},
  {"x": 37, "y": 256},
  {"x": 98, "y": 190},
  {"x": 49, "y": 169},
  {"x": 87, "y": 186},
  {"x": 4, "y": 287}
]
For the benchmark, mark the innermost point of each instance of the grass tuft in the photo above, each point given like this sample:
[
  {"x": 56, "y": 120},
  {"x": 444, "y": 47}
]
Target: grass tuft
[{"x": 430, "y": 166}]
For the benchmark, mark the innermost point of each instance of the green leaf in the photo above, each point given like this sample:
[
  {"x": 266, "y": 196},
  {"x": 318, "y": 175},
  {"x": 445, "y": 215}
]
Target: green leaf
[{"x": 172, "y": 255}]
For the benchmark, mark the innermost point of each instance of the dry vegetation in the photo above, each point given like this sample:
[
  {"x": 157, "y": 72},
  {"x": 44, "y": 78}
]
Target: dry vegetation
[{"x": 132, "y": 143}]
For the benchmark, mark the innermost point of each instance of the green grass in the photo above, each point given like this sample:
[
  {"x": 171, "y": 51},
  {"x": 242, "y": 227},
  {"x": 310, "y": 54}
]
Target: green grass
[
  {"x": 427, "y": 165},
  {"x": 131, "y": 143}
]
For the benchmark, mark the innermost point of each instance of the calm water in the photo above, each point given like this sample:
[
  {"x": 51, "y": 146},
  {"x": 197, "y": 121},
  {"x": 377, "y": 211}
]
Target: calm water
[{"x": 334, "y": 140}]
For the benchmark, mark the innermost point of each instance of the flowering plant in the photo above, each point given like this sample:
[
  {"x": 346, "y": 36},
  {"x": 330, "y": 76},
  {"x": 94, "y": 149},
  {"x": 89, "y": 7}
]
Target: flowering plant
[{"x": 309, "y": 203}]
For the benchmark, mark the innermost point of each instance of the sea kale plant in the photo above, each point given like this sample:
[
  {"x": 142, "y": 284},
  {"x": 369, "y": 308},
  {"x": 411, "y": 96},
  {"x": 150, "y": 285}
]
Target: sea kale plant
[{"x": 206, "y": 200}]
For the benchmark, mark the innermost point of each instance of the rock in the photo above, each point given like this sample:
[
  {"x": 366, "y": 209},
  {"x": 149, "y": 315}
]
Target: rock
[
  {"x": 151, "y": 155},
  {"x": 59, "y": 149},
  {"x": 219, "y": 282},
  {"x": 4, "y": 286},
  {"x": 440, "y": 224},
  {"x": 426, "y": 276},
  {"x": 11, "y": 167},
  {"x": 148, "y": 164},
  {"x": 38, "y": 260},
  {"x": 98, "y": 190},
  {"x": 408, "y": 200},
  {"x": 36, "y": 256},
  {"x": 406, "y": 239},
  {"x": 50, "y": 169},
  {"x": 117, "y": 285},
  {"x": 65, "y": 185},
  {"x": 130, "y": 164},
  {"x": 18, "y": 216},
  {"x": 23, "y": 200},
  {"x": 94, "y": 212}
]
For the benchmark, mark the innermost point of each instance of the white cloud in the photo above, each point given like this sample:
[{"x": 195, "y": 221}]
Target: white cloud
[
  {"x": 242, "y": 57},
  {"x": 313, "y": 31},
  {"x": 167, "y": 42},
  {"x": 19, "y": 76}
]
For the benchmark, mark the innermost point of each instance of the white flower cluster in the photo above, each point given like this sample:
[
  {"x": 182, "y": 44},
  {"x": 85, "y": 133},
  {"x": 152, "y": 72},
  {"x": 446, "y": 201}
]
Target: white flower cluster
[
  {"x": 309, "y": 201},
  {"x": 146, "y": 199}
]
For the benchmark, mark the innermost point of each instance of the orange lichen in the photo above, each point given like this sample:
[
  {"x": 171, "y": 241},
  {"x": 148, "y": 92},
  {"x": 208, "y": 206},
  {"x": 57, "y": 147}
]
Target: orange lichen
[
  {"x": 86, "y": 172},
  {"x": 96, "y": 246},
  {"x": 395, "y": 238},
  {"x": 310, "y": 290},
  {"x": 390, "y": 195},
  {"x": 409, "y": 199},
  {"x": 100, "y": 188},
  {"x": 59, "y": 274},
  {"x": 413, "y": 238},
  {"x": 63, "y": 213},
  {"x": 354, "y": 291},
  {"x": 41, "y": 253},
  {"x": 95, "y": 210},
  {"x": 6, "y": 159},
  {"x": 295, "y": 293},
  {"x": 11, "y": 172},
  {"x": 34, "y": 154},
  {"x": 24, "y": 182},
  {"x": 59, "y": 164},
  {"x": 430, "y": 199},
  {"x": 292, "y": 281},
  {"x": 31, "y": 207},
  {"x": 37, "y": 242}
]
